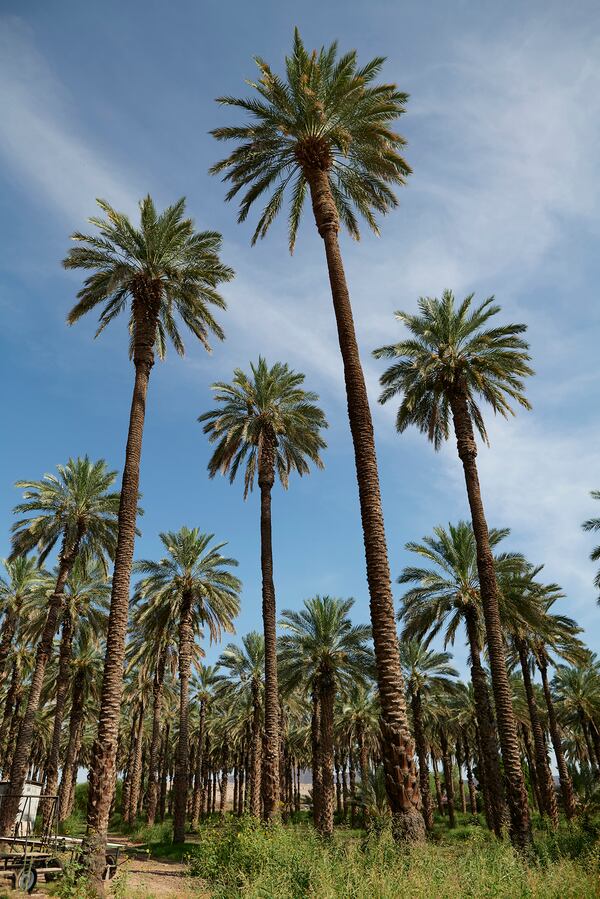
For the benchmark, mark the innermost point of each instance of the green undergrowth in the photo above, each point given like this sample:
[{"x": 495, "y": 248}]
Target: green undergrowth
[{"x": 243, "y": 859}]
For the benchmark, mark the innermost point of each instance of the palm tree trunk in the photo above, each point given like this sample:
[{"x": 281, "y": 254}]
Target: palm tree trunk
[
  {"x": 426, "y": 803},
  {"x": 447, "y": 767},
  {"x": 270, "y": 762},
  {"x": 164, "y": 767},
  {"x": 197, "y": 797},
  {"x": 102, "y": 775},
  {"x": 255, "y": 752},
  {"x": 566, "y": 784},
  {"x": 75, "y": 719},
  {"x": 180, "y": 785},
  {"x": 136, "y": 772},
  {"x": 326, "y": 700},
  {"x": 317, "y": 767},
  {"x": 545, "y": 780},
  {"x": 470, "y": 778},
  {"x": 338, "y": 786},
  {"x": 157, "y": 703},
  {"x": 344, "y": 788},
  {"x": 436, "y": 781},
  {"x": 22, "y": 750},
  {"x": 9, "y": 705},
  {"x": 9, "y": 626},
  {"x": 520, "y": 824},
  {"x": 224, "y": 781},
  {"x": 461, "y": 784},
  {"x": 352, "y": 784},
  {"x": 62, "y": 689},
  {"x": 533, "y": 777},
  {"x": 494, "y": 785},
  {"x": 401, "y": 776}
]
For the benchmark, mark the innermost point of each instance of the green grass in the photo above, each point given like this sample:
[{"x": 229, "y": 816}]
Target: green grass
[{"x": 242, "y": 859}]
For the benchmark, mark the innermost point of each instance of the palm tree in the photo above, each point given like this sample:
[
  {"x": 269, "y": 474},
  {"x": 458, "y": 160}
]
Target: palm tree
[
  {"x": 86, "y": 667},
  {"x": 203, "y": 687},
  {"x": 194, "y": 582},
  {"x": 426, "y": 672},
  {"x": 268, "y": 423},
  {"x": 450, "y": 363},
  {"x": 446, "y": 594},
  {"x": 577, "y": 693},
  {"x": 322, "y": 650},
  {"x": 76, "y": 508},
  {"x": 23, "y": 578},
  {"x": 593, "y": 524},
  {"x": 152, "y": 647},
  {"x": 159, "y": 269},
  {"x": 359, "y": 721},
  {"x": 325, "y": 130},
  {"x": 246, "y": 666},
  {"x": 86, "y": 599}
]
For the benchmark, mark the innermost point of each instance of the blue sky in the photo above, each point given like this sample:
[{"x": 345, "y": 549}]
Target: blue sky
[{"x": 503, "y": 130}]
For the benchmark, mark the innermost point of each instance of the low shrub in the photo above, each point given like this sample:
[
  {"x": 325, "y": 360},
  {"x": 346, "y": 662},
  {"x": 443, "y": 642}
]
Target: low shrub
[{"x": 244, "y": 859}]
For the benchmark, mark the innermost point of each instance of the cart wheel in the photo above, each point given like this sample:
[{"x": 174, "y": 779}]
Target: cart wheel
[
  {"x": 111, "y": 868},
  {"x": 25, "y": 880}
]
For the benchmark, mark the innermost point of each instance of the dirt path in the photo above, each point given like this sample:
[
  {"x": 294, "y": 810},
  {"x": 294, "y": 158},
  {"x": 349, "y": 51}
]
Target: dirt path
[{"x": 147, "y": 878}]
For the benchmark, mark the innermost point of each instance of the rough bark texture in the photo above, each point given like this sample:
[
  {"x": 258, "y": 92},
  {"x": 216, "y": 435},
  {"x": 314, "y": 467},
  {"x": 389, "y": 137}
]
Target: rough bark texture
[
  {"x": 470, "y": 778},
  {"x": 62, "y": 688},
  {"x": 448, "y": 784},
  {"x": 9, "y": 627},
  {"x": 461, "y": 784},
  {"x": 426, "y": 802},
  {"x": 136, "y": 770},
  {"x": 255, "y": 752},
  {"x": 75, "y": 722},
  {"x": 22, "y": 749},
  {"x": 520, "y": 825},
  {"x": 180, "y": 784},
  {"x": 545, "y": 779},
  {"x": 535, "y": 787},
  {"x": 326, "y": 699},
  {"x": 157, "y": 704},
  {"x": 317, "y": 767},
  {"x": 102, "y": 775},
  {"x": 270, "y": 765},
  {"x": 492, "y": 780},
  {"x": 436, "y": 781},
  {"x": 566, "y": 784},
  {"x": 14, "y": 689},
  {"x": 197, "y": 797},
  {"x": 399, "y": 760}
]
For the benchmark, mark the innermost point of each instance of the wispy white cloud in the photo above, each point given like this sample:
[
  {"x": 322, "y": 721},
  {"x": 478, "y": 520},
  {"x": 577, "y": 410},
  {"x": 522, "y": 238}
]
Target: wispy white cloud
[{"x": 40, "y": 138}]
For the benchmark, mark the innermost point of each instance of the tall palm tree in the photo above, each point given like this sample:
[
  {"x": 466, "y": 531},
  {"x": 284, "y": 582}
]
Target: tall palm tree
[
  {"x": 325, "y": 130},
  {"x": 23, "y": 577},
  {"x": 451, "y": 362},
  {"x": 268, "y": 423},
  {"x": 445, "y": 594},
  {"x": 246, "y": 667},
  {"x": 324, "y": 652},
  {"x": 77, "y": 508},
  {"x": 593, "y": 524},
  {"x": 426, "y": 672},
  {"x": 194, "y": 582},
  {"x": 154, "y": 271}
]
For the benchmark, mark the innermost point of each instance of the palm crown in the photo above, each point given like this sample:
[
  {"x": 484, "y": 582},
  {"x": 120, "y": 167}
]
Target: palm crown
[
  {"x": 73, "y": 505},
  {"x": 426, "y": 670},
  {"x": 451, "y": 350},
  {"x": 321, "y": 641},
  {"x": 449, "y": 582},
  {"x": 593, "y": 524},
  {"x": 164, "y": 265},
  {"x": 325, "y": 114},
  {"x": 193, "y": 566},
  {"x": 268, "y": 407}
]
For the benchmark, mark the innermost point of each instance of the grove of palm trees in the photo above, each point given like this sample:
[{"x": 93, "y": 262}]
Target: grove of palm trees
[{"x": 432, "y": 732}]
